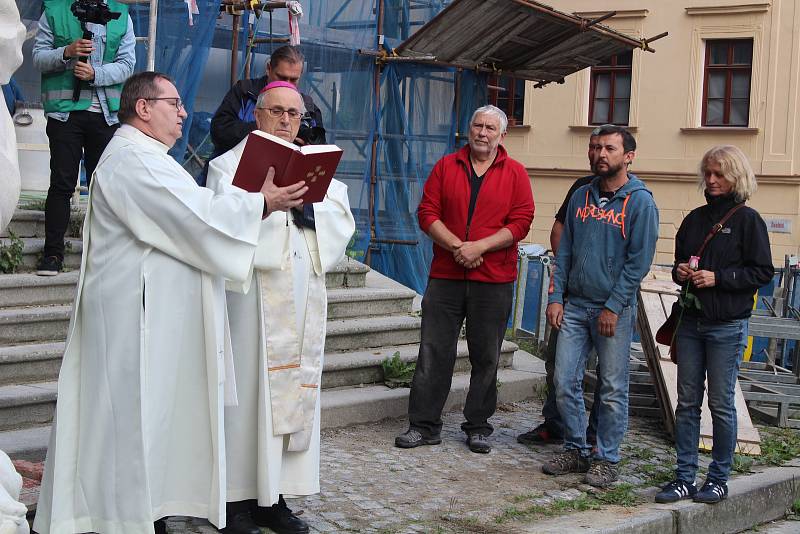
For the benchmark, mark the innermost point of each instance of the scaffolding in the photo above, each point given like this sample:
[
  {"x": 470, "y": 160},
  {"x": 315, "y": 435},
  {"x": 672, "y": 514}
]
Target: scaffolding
[{"x": 394, "y": 116}]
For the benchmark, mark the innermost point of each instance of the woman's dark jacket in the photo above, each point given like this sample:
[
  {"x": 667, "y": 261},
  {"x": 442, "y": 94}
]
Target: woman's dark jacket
[{"x": 739, "y": 255}]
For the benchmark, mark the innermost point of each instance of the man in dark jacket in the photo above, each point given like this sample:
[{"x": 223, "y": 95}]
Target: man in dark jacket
[
  {"x": 551, "y": 430},
  {"x": 476, "y": 205},
  {"x": 606, "y": 249},
  {"x": 235, "y": 119}
]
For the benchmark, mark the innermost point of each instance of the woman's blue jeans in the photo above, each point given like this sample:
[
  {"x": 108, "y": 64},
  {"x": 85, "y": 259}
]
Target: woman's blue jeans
[{"x": 711, "y": 349}]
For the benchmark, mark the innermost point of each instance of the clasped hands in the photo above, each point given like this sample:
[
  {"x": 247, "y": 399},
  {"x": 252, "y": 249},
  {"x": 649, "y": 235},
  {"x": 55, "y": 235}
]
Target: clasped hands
[{"x": 468, "y": 254}]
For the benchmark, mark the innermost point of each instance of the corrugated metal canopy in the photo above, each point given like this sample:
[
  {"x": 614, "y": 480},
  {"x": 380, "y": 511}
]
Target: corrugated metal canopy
[{"x": 524, "y": 38}]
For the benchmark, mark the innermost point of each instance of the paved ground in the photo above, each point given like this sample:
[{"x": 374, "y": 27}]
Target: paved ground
[{"x": 370, "y": 486}]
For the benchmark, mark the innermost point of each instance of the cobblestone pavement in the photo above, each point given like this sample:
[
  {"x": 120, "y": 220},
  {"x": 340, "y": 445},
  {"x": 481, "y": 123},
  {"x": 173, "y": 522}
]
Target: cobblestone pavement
[{"x": 370, "y": 486}]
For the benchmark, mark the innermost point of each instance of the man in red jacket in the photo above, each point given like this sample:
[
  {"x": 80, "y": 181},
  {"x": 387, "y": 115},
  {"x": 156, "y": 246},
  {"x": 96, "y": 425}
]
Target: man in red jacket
[{"x": 476, "y": 205}]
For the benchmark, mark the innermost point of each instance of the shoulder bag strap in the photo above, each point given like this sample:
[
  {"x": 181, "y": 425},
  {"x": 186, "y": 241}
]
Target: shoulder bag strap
[{"x": 717, "y": 227}]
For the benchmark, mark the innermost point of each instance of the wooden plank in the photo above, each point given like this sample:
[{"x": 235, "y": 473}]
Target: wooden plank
[{"x": 649, "y": 317}]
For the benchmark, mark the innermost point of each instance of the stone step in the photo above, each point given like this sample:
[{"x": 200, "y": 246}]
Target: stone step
[
  {"x": 349, "y": 406},
  {"x": 26, "y": 443},
  {"x": 32, "y": 250},
  {"x": 364, "y": 367},
  {"x": 365, "y": 332},
  {"x": 50, "y": 323},
  {"x": 340, "y": 407},
  {"x": 31, "y": 344},
  {"x": 348, "y": 302},
  {"x": 34, "y": 324},
  {"x": 30, "y": 223},
  {"x": 27, "y": 289},
  {"x": 34, "y": 362},
  {"x": 25, "y": 223},
  {"x": 27, "y": 405},
  {"x": 348, "y": 273}
]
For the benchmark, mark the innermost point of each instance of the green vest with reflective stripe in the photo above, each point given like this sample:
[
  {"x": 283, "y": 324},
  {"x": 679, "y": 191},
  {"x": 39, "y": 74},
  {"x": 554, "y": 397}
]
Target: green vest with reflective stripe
[{"x": 57, "y": 87}]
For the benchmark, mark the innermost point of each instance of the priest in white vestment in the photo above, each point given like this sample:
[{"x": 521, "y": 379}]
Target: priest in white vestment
[
  {"x": 278, "y": 335},
  {"x": 147, "y": 366}
]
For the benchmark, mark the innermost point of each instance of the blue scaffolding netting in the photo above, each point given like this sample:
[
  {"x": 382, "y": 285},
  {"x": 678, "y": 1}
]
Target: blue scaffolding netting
[{"x": 393, "y": 119}]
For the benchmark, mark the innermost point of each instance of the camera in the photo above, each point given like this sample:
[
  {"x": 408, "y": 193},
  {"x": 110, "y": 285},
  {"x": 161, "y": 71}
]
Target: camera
[
  {"x": 309, "y": 132},
  {"x": 94, "y": 11}
]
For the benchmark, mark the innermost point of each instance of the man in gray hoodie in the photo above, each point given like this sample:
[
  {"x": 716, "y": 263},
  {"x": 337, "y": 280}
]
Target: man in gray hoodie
[{"x": 607, "y": 246}]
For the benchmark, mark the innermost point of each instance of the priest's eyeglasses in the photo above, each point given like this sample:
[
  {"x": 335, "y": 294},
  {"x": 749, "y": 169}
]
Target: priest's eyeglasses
[
  {"x": 176, "y": 101},
  {"x": 277, "y": 113}
]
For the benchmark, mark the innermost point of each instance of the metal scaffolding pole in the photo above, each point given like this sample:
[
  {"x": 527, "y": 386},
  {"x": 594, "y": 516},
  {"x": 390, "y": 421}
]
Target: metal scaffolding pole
[{"x": 151, "y": 36}]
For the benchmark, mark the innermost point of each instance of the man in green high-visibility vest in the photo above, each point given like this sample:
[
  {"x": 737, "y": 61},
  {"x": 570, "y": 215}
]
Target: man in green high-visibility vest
[{"x": 77, "y": 129}]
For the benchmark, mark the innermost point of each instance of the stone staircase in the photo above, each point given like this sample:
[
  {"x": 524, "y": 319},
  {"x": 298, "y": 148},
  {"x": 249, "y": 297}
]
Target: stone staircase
[{"x": 370, "y": 318}]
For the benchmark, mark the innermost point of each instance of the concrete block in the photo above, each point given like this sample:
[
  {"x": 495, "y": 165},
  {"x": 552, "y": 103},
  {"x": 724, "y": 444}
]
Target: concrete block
[
  {"x": 41, "y": 323},
  {"x": 27, "y": 443},
  {"x": 20, "y": 364},
  {"x": 368, "y": 301},
  {"x": 27, "y": 289},
  {"x": 364, "y": 367},
  {"x": 30, "y": 223},
  {"x": 752, "y": 500},
  {"x": 32, "y": 249},
  {"x": 348, "y": 273},
  {"x": 343, "y": 407},
  {"x": 27, "y": 405},
  {"x": 363, "y": 332}
]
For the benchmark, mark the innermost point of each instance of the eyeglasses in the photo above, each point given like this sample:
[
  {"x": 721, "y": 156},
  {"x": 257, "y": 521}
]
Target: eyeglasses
[
  {"x": 176, "y": 101},
  {"x": 278, "y": 112}
]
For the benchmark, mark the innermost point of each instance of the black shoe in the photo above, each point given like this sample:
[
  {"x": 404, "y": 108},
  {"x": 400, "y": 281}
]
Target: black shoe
[
  {"x": 412, "y": 438},
  {"x": 279, "y": 518},
  {"x": 240, "y": 523},
  {"x": 160, "y": 526},
  {"x": 540, "y": 436},
  {"x": 49, "y": 266},
  {"x": 712, "y": 492},
  {"x": 675, "y": 491},
  {"x": 479, "y": 443}
]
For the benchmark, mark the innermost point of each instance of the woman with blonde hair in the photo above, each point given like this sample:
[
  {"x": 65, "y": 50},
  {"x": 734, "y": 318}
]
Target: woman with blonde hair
[{"x": 722, "y": 257}]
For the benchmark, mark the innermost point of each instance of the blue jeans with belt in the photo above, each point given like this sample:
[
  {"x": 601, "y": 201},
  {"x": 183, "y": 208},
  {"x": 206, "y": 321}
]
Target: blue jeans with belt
[{"x": 713, "y": 350}]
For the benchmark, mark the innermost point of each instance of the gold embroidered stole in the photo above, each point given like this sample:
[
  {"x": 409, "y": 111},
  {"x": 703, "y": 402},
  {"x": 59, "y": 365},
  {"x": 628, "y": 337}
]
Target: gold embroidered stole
[{"x": 293, "y": 358}]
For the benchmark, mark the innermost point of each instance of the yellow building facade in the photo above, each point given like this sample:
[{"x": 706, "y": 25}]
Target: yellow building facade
[{"x": 680, "y": 103}]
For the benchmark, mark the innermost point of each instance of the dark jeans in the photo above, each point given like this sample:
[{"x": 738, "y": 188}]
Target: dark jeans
[
  {"x": 445, "y": 305},
  {"x": 552, "y": 419},
  {"x": 84, "y": 136},
  {"x": 708, "y": 351}
]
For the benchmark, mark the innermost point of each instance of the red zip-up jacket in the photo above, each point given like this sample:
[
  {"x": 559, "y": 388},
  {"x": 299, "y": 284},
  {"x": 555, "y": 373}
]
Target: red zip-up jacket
[{"x": 504, "y": 201}]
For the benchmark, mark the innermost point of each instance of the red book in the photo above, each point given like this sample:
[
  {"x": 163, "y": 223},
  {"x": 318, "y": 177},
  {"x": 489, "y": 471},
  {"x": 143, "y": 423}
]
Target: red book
[{"x": 316, "y": 164}]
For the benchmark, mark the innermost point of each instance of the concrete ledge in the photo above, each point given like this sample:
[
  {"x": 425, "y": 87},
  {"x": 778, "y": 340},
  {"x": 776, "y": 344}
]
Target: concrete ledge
[
  {"x": 365, "y": 367},
  {"x": 753, "y": 499},
  {"x": 363, "y": 405},
  {"x": 31, "y": 290}
]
